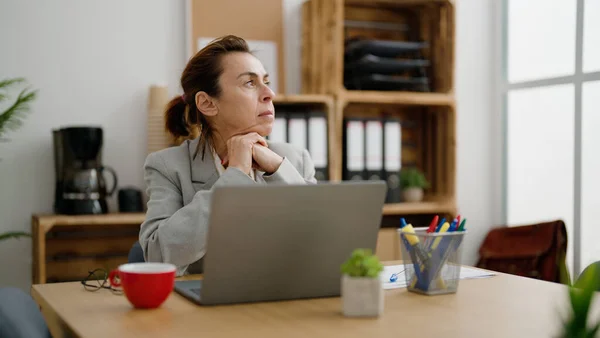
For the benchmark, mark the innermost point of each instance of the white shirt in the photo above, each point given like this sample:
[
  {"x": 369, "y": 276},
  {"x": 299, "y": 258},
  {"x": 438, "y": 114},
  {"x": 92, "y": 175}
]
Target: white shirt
[{"x": 221, "y": 168}]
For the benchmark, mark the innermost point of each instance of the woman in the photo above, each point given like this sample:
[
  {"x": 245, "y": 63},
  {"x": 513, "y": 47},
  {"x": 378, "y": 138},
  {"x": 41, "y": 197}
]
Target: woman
[{"x": 228, "y": 99}]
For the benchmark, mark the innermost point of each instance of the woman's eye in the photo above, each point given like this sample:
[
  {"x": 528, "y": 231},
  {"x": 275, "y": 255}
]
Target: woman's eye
[
  {"x": 251, "y": 83},
  {"x": 268, "y": 83}
]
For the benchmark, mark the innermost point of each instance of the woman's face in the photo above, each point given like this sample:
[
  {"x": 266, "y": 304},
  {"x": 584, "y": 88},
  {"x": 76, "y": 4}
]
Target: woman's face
[{"x": 246, "y": 101}]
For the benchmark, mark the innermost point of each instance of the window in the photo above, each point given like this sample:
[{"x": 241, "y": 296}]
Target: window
[{"x": 551, "y": 104}]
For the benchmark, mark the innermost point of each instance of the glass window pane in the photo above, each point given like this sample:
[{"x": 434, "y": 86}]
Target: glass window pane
[
  {"x": 540, "y": 140},
  {"x": 591, "y": 36},
  {"x": 541, "y": 39},
  {"x": 590, "y": 173}
]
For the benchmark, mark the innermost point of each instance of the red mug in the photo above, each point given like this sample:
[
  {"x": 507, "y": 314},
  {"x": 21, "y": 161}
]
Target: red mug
[{"x": 146, "y": 285}]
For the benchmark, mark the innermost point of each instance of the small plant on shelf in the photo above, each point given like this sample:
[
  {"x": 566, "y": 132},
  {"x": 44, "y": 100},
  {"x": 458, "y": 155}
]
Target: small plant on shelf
[
  {"x": 362, "y": 292},
  {"x": 412, "y": 182}
]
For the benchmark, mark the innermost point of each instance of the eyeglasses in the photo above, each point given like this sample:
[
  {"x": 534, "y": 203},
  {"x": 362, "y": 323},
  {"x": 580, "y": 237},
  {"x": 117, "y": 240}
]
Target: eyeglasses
[{"x": 98, "y": 279}]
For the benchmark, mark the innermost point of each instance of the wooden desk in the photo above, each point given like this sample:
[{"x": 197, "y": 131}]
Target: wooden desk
[{"x": 501, "y": 306}]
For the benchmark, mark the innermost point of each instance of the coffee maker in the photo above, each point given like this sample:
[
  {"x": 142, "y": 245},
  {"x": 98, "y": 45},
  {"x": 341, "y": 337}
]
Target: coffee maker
[{"x": 80, "y": 184}]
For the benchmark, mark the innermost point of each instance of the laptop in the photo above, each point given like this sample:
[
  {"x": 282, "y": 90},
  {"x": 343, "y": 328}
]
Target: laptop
[{"x": 284, "y": 242}]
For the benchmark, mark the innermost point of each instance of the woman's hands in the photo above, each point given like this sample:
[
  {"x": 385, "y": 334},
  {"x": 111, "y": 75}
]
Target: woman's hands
[
  {"x": 249, "y": 151},
  {"x": 266, "y": 159}
]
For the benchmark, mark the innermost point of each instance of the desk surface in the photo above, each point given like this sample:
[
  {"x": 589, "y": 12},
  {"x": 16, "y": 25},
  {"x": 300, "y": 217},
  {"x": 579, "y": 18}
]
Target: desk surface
[{"x": 500, "y": 306}]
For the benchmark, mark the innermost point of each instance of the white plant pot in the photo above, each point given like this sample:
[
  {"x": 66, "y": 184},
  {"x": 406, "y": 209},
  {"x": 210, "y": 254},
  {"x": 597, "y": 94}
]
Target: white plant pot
[
  {"x": 412, "y": 195},
  {"x": 362, "y": 296}
]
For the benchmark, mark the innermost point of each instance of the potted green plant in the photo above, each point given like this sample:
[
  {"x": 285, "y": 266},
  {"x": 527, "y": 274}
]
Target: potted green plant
[
  {"x": 362, "y": 291},
  {"x": 412, "y": 182},
  {"x": 581, "y": 295},
  {"x": 11, "y": 119}
]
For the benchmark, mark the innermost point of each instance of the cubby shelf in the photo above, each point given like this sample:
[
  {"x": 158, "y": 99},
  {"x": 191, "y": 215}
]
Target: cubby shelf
[
  {"x": 425, "y": 207},
  {"x": 399, "y": 98}
]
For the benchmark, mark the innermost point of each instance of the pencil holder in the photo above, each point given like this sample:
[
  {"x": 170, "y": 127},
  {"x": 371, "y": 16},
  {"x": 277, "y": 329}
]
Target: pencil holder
[{"x": 431, "y": 260}]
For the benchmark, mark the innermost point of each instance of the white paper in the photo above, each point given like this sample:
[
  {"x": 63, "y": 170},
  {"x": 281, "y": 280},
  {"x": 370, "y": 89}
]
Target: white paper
[
  {"x": 264, "y": 50},
  {"x": 393, "y": 277}
]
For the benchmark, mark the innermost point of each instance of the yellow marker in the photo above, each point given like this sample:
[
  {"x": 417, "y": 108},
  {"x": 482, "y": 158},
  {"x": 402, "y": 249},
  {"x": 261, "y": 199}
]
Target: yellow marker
[
  {"x": 412, "y": 239},
  {"x": 444, "y": 228}
]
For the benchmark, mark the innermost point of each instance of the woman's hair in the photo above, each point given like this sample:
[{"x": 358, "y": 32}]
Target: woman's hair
[{"x": 183, "y": 120}]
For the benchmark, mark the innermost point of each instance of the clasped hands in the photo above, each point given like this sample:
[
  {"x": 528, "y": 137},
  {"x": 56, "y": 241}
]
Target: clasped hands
[{"x": 250, "y": 151}]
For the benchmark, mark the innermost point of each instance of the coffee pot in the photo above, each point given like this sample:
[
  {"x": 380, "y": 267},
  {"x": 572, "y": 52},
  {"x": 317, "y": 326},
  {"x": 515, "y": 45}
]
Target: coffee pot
[{"x": 81, "y": 186}]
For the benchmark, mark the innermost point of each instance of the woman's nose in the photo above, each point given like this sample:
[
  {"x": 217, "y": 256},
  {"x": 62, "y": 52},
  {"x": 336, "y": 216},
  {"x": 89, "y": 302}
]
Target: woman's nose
[{"x": 267, "y": 94}]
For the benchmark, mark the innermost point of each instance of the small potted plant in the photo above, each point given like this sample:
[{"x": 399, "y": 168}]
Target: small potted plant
[
  {"x": 362, "y": 292},
  {"x": 412, "y": 182},
  {"x": 581, "y": 295}
]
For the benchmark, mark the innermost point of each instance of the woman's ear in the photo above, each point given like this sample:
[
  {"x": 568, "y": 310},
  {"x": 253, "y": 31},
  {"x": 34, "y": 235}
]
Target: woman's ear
[{"x": 206, "y": 104}]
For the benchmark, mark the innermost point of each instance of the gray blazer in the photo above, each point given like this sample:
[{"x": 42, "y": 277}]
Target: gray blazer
[{"x": 179, "y": 190}]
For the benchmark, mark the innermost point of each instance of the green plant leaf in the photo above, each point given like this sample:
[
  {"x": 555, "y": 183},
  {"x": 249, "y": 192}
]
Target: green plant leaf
[
  {"x": 15, "y": 234},
  {"x": 12, "y": 118},
  {"x": 362, "y": 263},
  {"x": 581, "y": 295},
  {"x": 6, "y": 84},
  {"x": 413, "y": 178}
]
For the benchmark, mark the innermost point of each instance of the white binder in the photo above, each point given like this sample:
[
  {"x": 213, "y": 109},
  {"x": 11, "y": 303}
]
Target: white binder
[
  {"x": 317, "y": 144},
  {"x": 297, "y": 131},
  {"x": 374, "y": 139},
  {"x": 278, "y": 134},
  {"x": 393, "y": 159},
  {"x": 355, "y": 163}
]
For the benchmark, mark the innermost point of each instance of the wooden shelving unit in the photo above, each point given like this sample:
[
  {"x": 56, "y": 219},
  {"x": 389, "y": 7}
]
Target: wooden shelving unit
[
  {"x": 429, "y": 131},
  {"x": 66, "y": 248}
]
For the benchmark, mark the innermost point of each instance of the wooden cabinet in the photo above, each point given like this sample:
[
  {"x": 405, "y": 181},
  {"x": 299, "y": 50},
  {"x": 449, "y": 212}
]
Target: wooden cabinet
[{"x": 66, "y": 248}]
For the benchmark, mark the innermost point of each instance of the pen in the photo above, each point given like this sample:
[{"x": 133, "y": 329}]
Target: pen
[
  {"x": 462, "y": 225},
  {"x": 433, "y": 224},
  {"x": 436, "y": 242},
  {"x": 437, "y": 229},
  {"x": 453, "y": 225},
  {"x": 408, "y": 245}
]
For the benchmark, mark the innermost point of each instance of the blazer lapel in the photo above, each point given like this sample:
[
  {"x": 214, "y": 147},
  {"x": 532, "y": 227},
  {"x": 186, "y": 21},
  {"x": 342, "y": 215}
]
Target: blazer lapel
[{"x": 203, "y": 171}]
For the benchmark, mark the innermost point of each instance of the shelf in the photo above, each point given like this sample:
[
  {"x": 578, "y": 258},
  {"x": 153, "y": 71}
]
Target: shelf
[
  {"x": 47, "y": 222},
  {"x": 303, "y": 98},
  {"x": 426, "y": 207},
  {"x": 393, "y": 3},
  {"x": 400, "y": 98}
]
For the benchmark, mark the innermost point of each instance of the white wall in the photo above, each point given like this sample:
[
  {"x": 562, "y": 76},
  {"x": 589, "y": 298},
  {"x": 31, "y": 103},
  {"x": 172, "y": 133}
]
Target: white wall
[
  {"x": 479, "y": 158},
  {"x": 93, "y": 63}
]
